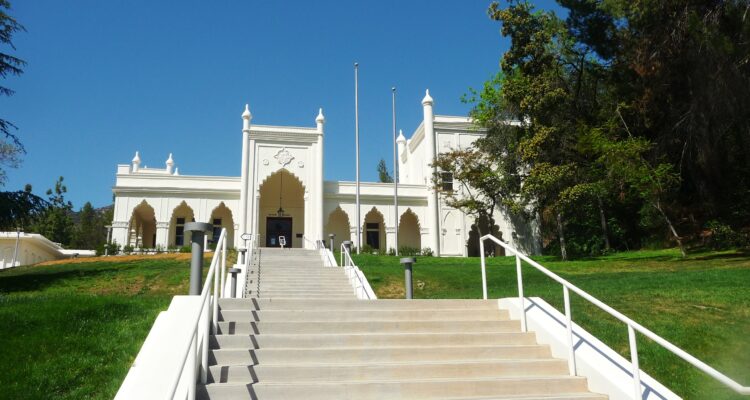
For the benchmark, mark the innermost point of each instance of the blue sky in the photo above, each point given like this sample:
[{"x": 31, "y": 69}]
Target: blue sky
[{"x": 107, "y": 78}]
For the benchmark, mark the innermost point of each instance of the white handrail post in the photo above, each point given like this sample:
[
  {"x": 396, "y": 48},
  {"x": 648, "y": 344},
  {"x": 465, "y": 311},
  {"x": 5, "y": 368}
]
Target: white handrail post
[
  {"x": 222, "y": 274},
  {"x": 193, "y": 356},
  {"x": 520, "y": 293},
  {"x": 215, "y": 303},
  {"x": 569, "y": 322},
  {"x": 484, "y": 272},
  {"x": 634, "y": 361},
  {"x": 204, "y": 341}
]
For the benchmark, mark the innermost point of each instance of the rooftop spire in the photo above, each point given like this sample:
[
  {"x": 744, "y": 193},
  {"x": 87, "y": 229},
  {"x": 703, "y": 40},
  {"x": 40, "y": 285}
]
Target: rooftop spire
[
  {"x": 427, "y": 99},
  {"x": 400, "y": 138},
  {"x": 170, "y": 161},
  {"x": 320, "y": 119},
  {"x": 137, "y": 158}
]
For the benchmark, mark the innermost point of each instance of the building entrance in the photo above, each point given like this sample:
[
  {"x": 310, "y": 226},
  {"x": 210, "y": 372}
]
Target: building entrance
[{"x": 277, "y": 227}]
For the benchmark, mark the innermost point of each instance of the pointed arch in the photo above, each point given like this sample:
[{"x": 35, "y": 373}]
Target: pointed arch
[
  {"x": 373, "y": 230},
  {"x": 338, "y": 224},
  {"x": 221, "y": 217},
  {"x": 281, "y": 209},
  {"x": 480, "y": 227},
  {"x": 408, "y": 230},
  {"x": 142, "y": 226},
  {"x": 181, "y": 214}
]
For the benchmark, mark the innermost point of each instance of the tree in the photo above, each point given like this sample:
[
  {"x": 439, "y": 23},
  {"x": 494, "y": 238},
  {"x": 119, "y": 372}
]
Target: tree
[
  {"x": 20, "y": 209},
  {"x": 11, "y": 148},
  {"x": 383, "y": 175},
  {"x": 89, "y": 231},
  {"x": 55, "y": 223}
]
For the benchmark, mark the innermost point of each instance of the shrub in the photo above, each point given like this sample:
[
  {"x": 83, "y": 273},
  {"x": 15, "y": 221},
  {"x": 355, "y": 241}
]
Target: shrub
[
  {"x": 409, "y": 251},
  {"x": 128, "y": 249},
  {"x": 112, "y": 249},
  {"x": 186, "y": 249},
  {"x": 722, "y": 236},
  {"x": 427, "y": 252}
]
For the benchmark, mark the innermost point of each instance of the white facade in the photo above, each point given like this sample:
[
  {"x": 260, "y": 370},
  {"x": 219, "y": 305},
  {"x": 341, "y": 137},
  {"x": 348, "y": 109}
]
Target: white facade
[{"x": 281, "y": 192}]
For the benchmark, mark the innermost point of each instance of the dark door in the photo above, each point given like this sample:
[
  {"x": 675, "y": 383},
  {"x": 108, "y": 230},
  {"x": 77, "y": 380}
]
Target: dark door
[
  {"x": 372, "y": 235},
  {"x": 278, "y": 226}
]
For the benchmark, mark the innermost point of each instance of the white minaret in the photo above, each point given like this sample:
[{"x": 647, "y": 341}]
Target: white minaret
[
  {"x": 136, "y": 162},
  {"x": 245, "y": 173},
  {"x": 170, "y": 164},
  {"x": 319, "y": 121},
  {"x": 401, "y": 142},
  {"x": 433, "y": 216}
]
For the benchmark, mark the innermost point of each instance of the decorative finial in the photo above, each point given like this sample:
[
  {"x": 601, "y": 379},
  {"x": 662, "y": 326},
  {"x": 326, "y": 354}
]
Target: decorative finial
[
  {"x": 170, "y": 161},
  {"x": 137, "y": 158},
  {"x": 246, "y": 114},
  {"x": 400, "y": 138},
  {"x": 427, "y": 99},
  {"x": 176, "y": 171},
  {"x": 320, "y": 119}
]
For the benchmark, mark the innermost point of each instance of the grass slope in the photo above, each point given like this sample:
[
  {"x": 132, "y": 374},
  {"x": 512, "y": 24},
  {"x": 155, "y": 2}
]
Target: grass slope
[
  {"x": 701, "y": 303},
  {"x": 71, "y": 330}
]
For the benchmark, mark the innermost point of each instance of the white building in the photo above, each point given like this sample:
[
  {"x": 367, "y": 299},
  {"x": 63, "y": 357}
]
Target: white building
[{"x": 281, "y": 192}]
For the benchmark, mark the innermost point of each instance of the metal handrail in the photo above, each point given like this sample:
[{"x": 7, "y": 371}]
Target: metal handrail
[
  {"x": 352, "y": 271},
  {"x": 209, "y": 313},
  {"x": 632, "y": 325}
]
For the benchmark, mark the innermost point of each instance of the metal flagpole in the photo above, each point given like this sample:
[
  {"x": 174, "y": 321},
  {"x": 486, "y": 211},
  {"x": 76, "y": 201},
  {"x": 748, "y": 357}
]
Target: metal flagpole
[
  {"x": 356, "y": 144},
  {"x": 395, "y": 170}
]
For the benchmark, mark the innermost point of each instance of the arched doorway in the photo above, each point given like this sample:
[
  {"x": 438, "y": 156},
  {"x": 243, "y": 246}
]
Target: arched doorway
[
  {"x": 281, "y": 210},
  {"x": 338, "y": 224},
  {"x": 481, "y": 227},
  {"x": 373, "y": 231},
  {"x": 142, "y": 231},
  {"x": 221, "y": 217},
  {"x": 408, "y": 231},
  {"x": 181, "y": 215}
]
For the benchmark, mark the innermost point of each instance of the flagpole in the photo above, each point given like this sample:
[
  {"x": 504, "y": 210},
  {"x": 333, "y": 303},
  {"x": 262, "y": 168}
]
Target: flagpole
[
  {"x": 356, "y": 145},
  {"x": 395, "y": 170}
]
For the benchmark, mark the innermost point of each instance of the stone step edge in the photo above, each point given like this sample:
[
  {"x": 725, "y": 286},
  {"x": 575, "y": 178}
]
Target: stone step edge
[
  {"x": 382, "y": 348},
  {"x": 403, "y": 363},
  {"x": 417, "y": 380}
]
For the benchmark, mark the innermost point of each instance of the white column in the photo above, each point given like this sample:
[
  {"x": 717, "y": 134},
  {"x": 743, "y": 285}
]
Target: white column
[
  {"x": 120, "y": 232},
  {"x": 390, "y": 238},
  {"x": 432, "y": 197},
  {"x": 318, "y": 210},
  {"x": 246, "y": 118},
  {"x": 162, "y": 234}
]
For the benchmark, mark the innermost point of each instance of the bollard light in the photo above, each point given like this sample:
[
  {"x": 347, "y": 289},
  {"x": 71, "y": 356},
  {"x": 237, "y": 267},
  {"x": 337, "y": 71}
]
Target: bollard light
[
  {"x": 331, "y": 237},
  {"x": 197, "y": 236},
  {"x": 408, "y": 262},
  {"x": 233, "y": 290}
]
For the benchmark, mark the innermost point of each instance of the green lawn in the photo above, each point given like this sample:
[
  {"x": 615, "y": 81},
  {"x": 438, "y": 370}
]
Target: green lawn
[
  {"x": 71, "y": 331},
  {"x": 701, "y": 303}
]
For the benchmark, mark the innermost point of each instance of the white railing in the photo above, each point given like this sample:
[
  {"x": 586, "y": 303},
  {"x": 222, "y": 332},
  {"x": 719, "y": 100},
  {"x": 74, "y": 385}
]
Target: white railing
[
  {"x": 356, "y": 277},
  {"x": 632, "y": 325},
  {"x": 195, "y": 357}
]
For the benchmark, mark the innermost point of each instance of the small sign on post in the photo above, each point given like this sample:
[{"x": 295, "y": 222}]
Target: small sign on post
[{"x": 282, "y": 241}]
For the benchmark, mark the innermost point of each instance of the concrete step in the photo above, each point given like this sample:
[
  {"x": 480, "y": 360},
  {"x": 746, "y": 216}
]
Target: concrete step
[
  {"x": 379, "y": 372},
  {"x": 298, "y": 304},
  {"x": 374, "y": 355},
  {"x": 305, "y": 296},
  {"x": 331, "y": 315},
  {"x": 399, "y": 389},
  {"x": 369, "y": 326},
  {"x": 324, "y": 341},
  {"x": 344, "y": 294}
]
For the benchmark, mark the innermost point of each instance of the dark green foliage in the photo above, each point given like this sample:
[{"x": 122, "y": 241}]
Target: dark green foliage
[
  {"x": 631, "y": 124},
  {"x": 11, "y": 148},
  {"x": 19, "y": 209},
  {"x": 55, "y": 223},
  {"x": 383, "y": 175}
]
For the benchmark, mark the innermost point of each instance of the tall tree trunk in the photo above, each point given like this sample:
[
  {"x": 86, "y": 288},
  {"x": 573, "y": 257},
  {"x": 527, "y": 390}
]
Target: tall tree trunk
[
  {"x": 603, "y": 219},
  {"x": 561, "y": 234},
  {"x": 657, "y": 205}
]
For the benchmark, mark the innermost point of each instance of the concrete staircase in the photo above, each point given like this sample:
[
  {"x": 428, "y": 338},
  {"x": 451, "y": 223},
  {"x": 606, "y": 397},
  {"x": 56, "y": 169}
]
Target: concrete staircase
[{"x": 303, "y": 334}]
